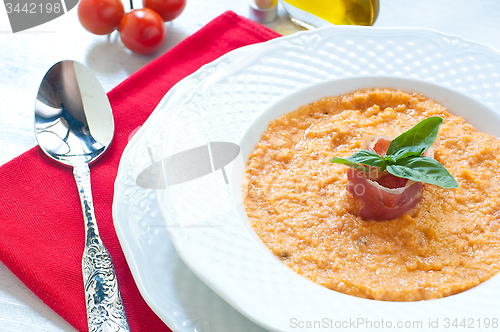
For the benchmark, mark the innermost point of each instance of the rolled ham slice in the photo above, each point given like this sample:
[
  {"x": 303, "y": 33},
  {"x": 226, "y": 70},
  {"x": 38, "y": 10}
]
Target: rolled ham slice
[
  {"x": 380, "y": 202},
  {"x": 383, "y": 195}
]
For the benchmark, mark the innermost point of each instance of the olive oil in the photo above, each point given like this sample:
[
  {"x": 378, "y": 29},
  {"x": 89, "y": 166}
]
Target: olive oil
[{"x": 340, "y": 12}]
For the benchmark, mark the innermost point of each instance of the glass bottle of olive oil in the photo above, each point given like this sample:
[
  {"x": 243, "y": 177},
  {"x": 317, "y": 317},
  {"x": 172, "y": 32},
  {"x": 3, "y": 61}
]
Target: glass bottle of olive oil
[{"x": 318, "y": 13}]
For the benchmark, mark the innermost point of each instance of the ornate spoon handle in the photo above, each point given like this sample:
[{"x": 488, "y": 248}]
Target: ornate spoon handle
[{"x": 105, "y": 310}]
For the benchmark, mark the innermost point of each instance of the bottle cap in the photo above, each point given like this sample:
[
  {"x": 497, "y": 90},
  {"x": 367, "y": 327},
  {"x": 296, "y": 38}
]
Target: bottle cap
[{"x": 262, "y": 11}]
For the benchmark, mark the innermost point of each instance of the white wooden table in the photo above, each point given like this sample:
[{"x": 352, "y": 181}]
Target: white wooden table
[{"x": 25, "y": 57}]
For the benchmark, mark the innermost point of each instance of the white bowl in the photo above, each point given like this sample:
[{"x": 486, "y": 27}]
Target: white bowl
[{"x": 220, "y": 246}]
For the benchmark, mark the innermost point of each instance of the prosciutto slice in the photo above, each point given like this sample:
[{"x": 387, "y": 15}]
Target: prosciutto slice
[{"x": 383, "y": 195}]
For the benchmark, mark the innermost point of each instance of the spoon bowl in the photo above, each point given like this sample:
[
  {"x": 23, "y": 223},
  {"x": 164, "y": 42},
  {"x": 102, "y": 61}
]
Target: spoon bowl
[
  {"x": 74, "y": 126},
  {"x": 73, "y": 119}
]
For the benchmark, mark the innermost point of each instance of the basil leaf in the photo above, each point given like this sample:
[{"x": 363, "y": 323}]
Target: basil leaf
[
  {"x": 404, "y": 157},
  {"x": 417, "y": 139},
  {"x": 346, "y": 162},
  {"x": 402, "y": 153},
  {"x": 365, "y": 157},
  {"x": 423, "y": 169},
  {"x": 368, "y": 158}
]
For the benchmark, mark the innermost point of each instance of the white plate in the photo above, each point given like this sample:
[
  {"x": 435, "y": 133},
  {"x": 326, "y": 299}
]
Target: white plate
[{"x": 219, "y": 103}]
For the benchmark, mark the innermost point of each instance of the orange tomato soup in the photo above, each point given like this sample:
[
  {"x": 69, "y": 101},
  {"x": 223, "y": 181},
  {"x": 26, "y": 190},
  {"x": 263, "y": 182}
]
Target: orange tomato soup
[{"x": 298, "y": 204}]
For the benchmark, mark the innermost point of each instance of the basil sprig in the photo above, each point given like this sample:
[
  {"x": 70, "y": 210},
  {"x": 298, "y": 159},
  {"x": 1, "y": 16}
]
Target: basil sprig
[{"x": 404, "y": 157}]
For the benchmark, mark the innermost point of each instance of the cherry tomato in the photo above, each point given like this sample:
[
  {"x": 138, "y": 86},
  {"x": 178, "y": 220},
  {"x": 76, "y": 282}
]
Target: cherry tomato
[
  {"x": 142, "y": 31},
  {"x": 168, "y": 9},
  {"x": 100, "y": 17}
]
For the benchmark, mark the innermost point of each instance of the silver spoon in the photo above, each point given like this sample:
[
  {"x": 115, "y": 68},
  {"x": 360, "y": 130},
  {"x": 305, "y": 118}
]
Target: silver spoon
[{"x": 74, "y": 126}]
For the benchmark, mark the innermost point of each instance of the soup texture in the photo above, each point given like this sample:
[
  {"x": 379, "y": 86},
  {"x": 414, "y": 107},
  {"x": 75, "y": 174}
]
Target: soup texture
[{"x": 297, "y": 201}]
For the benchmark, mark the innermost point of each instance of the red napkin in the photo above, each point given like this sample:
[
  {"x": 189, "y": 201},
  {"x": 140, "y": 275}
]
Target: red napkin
[{"x": 42, "y": 231}]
